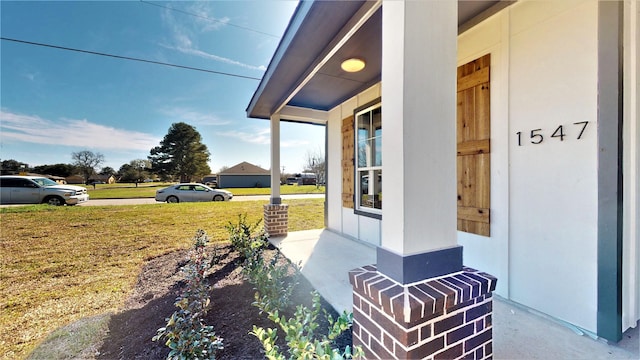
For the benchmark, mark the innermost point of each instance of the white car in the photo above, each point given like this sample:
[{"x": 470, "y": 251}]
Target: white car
[
  {"x": 189, "y": 192},
  {"x": 16, "y": 189}
]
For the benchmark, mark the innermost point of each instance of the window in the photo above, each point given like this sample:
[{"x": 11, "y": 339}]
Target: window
[
  {"x": 368, "y": 159},
  {"x": 17, "y": 182}
]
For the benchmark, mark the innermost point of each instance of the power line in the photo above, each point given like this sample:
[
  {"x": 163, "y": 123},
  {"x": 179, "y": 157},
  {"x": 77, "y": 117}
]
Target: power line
[
  {"x": 208, "y": 18},
  {"x": 129, "y": 58}
]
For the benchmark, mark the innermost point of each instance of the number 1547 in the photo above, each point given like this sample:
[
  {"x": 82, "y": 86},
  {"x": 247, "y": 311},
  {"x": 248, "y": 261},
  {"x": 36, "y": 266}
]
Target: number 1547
[{"x": 536, "y": 136}]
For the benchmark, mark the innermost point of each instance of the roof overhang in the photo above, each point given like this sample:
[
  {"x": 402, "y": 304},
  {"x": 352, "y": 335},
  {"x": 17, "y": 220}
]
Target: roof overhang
[{"x": 304, "y": 79}]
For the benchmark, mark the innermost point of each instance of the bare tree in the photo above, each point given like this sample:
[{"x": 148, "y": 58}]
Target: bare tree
[
  {"x": 315, "y": 163},
  {"x": 87, "y": 161}
]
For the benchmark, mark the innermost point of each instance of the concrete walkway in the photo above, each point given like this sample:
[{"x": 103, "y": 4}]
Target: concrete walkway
[{"x": 518, "y": 332}]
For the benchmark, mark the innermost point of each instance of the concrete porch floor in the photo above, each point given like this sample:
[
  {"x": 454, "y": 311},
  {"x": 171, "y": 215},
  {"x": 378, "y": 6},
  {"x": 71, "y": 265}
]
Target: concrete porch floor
[{"x": 518, "y": 332}]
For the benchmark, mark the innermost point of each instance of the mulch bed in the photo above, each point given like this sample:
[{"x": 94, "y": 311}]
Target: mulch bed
[{"x": 231, "y": 312}]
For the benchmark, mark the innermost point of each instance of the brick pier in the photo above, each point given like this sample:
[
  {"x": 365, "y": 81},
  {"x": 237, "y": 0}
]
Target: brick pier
[
  {"x": 276, "y": 219},
  {"x": 447, "y": 317}
]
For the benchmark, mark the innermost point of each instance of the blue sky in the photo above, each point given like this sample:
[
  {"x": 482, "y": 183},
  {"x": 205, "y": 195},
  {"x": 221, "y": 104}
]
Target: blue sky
[{"x": 55, "y": 102}]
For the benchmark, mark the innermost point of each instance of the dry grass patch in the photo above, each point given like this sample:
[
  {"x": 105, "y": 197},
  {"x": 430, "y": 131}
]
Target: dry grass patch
[
  {"x": 78, "y": 340},
  {"x": 63, "y": 264}
]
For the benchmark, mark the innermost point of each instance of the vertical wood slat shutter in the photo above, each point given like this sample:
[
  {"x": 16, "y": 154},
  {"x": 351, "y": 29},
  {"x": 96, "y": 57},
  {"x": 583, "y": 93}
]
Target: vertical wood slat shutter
[
  {"x": 348, "y": 154},
  {"x": 474, "y": 147}
]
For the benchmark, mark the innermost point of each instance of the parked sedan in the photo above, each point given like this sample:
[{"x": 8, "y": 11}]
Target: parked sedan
[{"x": 192, "y": 192}]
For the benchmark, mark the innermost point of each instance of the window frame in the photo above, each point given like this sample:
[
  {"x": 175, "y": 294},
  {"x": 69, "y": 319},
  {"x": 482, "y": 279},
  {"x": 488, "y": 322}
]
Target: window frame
[{"x": 359, "y": 209}]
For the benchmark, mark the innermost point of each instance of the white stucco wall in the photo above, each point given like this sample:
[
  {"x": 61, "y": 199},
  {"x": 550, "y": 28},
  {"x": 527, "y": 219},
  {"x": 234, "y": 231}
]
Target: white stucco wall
[
  {"x": 343, "y": 220},
  {"x": 553, "y": 190},
  {"x": 491, "y": 254},
  {"x": 544, "y": 197},
  {"x": 543, "y": 246}
]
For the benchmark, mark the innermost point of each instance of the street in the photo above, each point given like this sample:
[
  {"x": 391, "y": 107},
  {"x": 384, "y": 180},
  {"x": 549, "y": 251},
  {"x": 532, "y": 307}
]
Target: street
[{"x": 139, "y": 201}]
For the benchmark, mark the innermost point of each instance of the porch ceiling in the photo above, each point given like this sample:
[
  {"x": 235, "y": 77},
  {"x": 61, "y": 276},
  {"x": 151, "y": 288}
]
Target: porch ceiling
[{"x": 305, "y": 69}]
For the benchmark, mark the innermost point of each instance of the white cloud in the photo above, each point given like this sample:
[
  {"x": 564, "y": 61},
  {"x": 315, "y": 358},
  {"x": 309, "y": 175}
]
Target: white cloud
[
  {"x": 31, "y": 76},
  {"x": 205, "y": 19},
  {"x": 261, "y": 137},
  {"x": 71, "y": 132},
  {"x": 183, "y": 37},
  {"x": 203, "y": 54},
  {"x": 193, "y": 117}
]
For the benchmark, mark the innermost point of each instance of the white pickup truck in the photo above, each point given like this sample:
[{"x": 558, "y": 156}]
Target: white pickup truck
[{"x": 16, "y": 189}]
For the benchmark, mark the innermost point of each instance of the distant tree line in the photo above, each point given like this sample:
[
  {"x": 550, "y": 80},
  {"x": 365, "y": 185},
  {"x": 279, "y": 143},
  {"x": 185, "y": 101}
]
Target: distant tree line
[{"x": 181, "y": 156}]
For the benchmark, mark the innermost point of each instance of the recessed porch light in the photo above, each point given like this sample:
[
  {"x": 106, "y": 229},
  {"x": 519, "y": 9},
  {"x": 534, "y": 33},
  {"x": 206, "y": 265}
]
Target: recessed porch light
[{"x": 353, "y": 65}]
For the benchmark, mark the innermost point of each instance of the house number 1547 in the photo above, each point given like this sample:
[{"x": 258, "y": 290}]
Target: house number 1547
[{"x": 537, "y": 136}]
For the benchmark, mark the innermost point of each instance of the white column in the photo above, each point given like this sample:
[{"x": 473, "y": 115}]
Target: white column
[
  {"x": 631, "y": 158},
  {"x": 275, "y": 159},
  {"x": 419, "y": 45}
]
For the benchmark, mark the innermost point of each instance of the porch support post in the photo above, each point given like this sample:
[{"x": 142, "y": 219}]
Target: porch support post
[
  {"x": 419, "y": 301},
  {"x": 276, "y": 214},
  {"x": 419, "y": 139},
  {"x": 275, "y": 159}
]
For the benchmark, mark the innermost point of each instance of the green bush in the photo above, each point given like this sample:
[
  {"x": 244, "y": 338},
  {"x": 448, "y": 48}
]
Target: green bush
[
  {"x": 303, "y": 341},
  {"x": 247, "y": 239},
  {"x": 186, "y": 334},
  {"x": 273, "y": 282},
  {"x": 274, "y": 285}
]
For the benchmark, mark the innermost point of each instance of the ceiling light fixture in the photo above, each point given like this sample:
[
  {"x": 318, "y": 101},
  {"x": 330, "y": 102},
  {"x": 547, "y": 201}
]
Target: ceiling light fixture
[{"x": 353, "y": 65}]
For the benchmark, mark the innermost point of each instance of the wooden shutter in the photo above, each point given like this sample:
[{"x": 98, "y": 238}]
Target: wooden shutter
[
  {"x": 348, "y": 143},
  {"x": 474, "y": 147}
]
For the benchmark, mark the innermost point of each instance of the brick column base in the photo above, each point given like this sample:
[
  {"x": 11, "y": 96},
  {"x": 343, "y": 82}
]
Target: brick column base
[
  {"x": 447, "y": 317},
  {"x": 276, "y": 219}
]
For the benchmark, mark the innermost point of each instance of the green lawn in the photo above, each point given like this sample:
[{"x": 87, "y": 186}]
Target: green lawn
[
  {"x": 62, "y": 264},
  {"x": 148, "y": 190}
]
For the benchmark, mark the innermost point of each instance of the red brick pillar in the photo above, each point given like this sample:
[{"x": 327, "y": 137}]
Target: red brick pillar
[
  {"x": 276, "y": 219},
  {"x": 447, "y": 317}
]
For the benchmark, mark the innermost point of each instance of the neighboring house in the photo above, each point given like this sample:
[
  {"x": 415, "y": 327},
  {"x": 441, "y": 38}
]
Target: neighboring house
[
  {"x": 508, "y": 131},
  {"x": 75, "y": 179},
  {"x": 107, "y": 179},
  {"x": 244, "y": 175},
  {"x": 59, "y": 179}
]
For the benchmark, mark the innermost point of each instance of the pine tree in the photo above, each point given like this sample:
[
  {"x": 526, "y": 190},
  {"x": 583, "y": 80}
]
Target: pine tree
[{"x": 181, "y": 153}]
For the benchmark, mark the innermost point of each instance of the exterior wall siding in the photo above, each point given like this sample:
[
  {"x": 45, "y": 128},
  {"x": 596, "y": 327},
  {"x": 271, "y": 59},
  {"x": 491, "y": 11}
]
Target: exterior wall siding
[
  {"x": 543, "y": 196},
  {"x": 553, "y": 185},
  {"x": 343, "y": 220},
  {"x": 491, "y": 254},
  {"x": 244, "y": 181}
]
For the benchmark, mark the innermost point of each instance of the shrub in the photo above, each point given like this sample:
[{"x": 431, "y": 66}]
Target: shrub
[
  {"x": 274, "y": 286},
  {"x": 247, "y": 240},
  {"x": 300, "y": 333},
  {"x": 186, "y": 334},
  {"x": 274, "y": 283}
]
